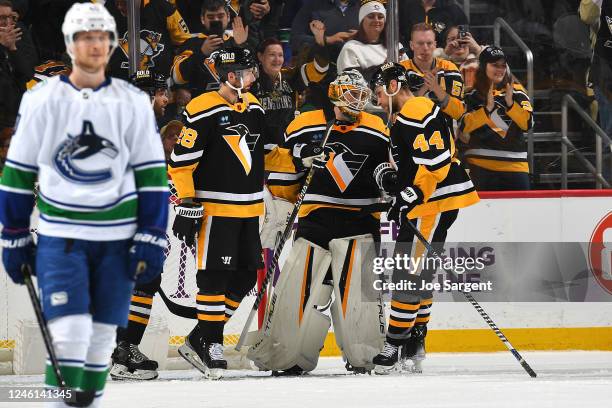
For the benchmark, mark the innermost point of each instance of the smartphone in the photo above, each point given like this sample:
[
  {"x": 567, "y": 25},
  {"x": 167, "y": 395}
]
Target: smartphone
[
  {"x": 463, "y": 30},
  {"x": 216, "y": 28}
]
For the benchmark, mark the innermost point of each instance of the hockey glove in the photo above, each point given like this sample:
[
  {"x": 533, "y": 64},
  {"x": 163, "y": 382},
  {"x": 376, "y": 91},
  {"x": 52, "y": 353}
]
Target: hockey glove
[
  {"x": 386, "y": 178},
  {"x": 403, "y": 203},
  {"x": 147, "y": 254},
  {"x": 18, "y": 250},
  {"x": 187, "y": 222},
  {"x": 307, "y": 153}
]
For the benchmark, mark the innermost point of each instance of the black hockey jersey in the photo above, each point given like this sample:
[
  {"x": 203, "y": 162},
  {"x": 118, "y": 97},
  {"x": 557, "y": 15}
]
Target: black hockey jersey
[
  {"x": 450, "y": 80},
  {"x": 423, "y": 151},
  {"x": 193, "y": 69},
  {"x": 354, "y": 150},
  {"x": 161, "y": 28},
  {"x": 46, "y": 70},
  {"x": 219, "y": 156},
  {"x": 497, "y": 141}
]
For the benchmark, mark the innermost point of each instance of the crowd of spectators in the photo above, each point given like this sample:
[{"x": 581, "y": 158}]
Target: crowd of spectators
[{"x": 300, "y": 45}]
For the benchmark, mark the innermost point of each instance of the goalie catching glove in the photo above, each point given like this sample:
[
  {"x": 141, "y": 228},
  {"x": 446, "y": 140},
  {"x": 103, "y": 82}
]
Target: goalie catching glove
[
  {"x": 187, "y": 222},
  {"x": 403, "y": 203},
  {"x": 147, "y": 254}
]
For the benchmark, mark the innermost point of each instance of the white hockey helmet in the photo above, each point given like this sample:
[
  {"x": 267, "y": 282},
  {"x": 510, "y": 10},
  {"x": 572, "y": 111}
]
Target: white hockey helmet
[
  {"x": 88, "y": 17},
  {"x": 349, "y": 92}
]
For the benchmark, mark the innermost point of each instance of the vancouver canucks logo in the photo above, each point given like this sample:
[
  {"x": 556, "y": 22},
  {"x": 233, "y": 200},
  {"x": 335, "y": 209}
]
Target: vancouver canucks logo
[
  {"x": 242, "y": 143},
  {"x": 79, "y": 148},
  {"x": 343, "y": 164}
]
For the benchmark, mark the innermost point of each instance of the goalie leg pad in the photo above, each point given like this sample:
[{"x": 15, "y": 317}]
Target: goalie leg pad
[
  {"x": 294, "y": 328},
  {"x": 357, "y": 311}
]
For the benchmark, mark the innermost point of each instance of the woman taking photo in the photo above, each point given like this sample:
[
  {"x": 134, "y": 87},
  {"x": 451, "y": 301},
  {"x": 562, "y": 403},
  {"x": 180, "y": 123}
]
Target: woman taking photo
[
  {"x": 278, "y": 87},
  {"x": 498, "y": 114}
]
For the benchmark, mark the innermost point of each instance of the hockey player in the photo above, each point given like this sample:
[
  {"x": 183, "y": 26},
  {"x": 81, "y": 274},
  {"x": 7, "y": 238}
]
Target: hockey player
[
  {"x": 217, "y": 167},
  {"x": 92, "y": 144},
  {"x": 428, "y": 187},
  {"x": 334, "y": 239},
  {"x": 129, "y": 363}
]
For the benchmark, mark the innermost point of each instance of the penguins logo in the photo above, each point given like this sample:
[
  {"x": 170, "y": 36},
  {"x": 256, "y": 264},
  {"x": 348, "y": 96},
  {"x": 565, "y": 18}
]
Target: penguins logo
[
  {"x": 150, "y": 47},
  {"x": 242, "y": 144},
  {"x": 343, "y": 164},
  {"x": 81, "y": 147}
]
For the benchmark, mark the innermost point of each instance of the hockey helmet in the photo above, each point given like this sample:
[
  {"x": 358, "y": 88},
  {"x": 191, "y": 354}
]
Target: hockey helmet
[
  {"x": 149, "y": 81},
  {"x": 386, "y": 73},
  {"x": 349, "y": 92},
  {"x": 88, "y": 17},
  {"x": 233, "y": 59}
]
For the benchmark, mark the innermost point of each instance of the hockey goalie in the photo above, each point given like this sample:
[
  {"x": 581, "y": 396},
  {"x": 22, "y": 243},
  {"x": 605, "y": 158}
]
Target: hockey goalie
[{"x": 328, "y": 271}]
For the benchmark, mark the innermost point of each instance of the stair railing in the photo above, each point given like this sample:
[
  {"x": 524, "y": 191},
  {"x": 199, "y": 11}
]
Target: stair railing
[
  {"x": 497, "y": 27},
  {"x": 600, "y": 138}
]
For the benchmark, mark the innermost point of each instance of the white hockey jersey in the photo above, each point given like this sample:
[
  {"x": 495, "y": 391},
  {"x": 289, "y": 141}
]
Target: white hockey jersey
[{"x": 98, "y": 159}]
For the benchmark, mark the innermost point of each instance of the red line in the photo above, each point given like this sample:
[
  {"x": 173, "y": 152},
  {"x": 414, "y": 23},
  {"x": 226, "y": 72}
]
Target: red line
[{"x": 491, "y": 195}]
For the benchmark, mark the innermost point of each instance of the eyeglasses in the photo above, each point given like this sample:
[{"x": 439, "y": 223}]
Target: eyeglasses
[{"x": 6, "y": 18}]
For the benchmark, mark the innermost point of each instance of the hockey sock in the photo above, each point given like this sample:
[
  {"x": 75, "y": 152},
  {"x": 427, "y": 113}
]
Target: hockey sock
[
  {"x": 138, "y": 319},
  {"x": 71, "y": 336},
  {"x": 231, "y": 304},
  {"x": 424, "y": 312},
  {"x": 401, "y": 321},
  {"x": 96, "y": 364},
  {"x": 211, "y": 316}
]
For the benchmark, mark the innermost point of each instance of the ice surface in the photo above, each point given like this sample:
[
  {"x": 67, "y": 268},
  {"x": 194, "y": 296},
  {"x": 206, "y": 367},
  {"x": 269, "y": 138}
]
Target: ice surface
[{"x": 488, "y": 380}]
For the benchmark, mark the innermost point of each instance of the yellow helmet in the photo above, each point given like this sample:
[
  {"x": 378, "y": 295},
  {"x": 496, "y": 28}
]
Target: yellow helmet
[{"x": 349, "y": 92}]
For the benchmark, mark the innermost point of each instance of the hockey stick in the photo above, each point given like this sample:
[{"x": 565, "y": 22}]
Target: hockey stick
[
  {"x": 42, "y": 323},
  {"x": 476, "y": 305},
  {"x": 278, "y": 249}
]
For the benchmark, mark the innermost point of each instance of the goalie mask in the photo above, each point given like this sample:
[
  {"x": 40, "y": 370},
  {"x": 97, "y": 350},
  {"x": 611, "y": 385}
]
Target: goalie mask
[
  {"x": 88, "y": 17},
  {"x": 236, "y": 60},
  {"x": 349, "y": 92}
]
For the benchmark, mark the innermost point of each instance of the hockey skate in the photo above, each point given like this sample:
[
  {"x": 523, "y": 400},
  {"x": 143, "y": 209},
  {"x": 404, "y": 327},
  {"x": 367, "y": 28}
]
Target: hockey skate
[
  {"x": 414, "y": 350},
  {"x": 386, "y": 360},
  {"x": 205, "y": 357},
  {"x": 129, "y": 363}
]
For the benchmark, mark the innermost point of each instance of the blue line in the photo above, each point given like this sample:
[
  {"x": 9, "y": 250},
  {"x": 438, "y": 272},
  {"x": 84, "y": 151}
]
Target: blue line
[
  {"x": 87, "y": 224},
  {"x": 94, "y": 207},
  {"x": 27, "y": 166}
]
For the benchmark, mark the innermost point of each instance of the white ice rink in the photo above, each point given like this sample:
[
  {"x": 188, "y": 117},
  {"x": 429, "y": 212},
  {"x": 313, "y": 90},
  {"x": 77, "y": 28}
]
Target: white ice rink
[{"x": 492, "y": 380}]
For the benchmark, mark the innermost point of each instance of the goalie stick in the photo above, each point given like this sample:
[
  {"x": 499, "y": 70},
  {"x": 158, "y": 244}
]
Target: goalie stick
[
  {"x": 476, "y": 305},
  {"x": 280, "y": 245}
]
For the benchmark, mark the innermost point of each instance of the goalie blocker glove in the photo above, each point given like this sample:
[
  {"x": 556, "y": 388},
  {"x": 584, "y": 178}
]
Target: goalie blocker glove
[
  {"x": 147, "y": 254},
  {"x": 18, "y": 249},
  {"x": 403, "y": 203},
  {"x": 386, "y": 178},
  {"x": 187, "y": 222}
]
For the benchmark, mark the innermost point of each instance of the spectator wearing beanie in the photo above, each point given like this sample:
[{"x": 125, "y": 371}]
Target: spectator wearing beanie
[{"x": 498, "y": 114}]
